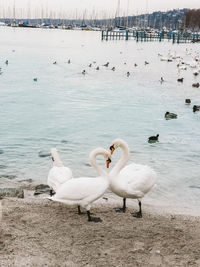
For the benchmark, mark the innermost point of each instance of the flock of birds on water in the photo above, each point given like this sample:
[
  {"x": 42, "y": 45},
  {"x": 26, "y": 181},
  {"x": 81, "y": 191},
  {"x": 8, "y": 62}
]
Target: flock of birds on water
[{"x": 127, "y": 181}]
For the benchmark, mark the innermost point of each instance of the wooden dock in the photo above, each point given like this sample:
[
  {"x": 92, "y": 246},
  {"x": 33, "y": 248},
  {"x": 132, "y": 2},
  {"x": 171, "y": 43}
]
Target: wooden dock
[{"x": 145, "y": 36}]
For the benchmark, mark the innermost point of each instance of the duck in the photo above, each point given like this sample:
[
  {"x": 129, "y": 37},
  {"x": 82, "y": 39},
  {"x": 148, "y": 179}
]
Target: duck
[
  {"x": 97, "y": 68},
  {"x": 128, "y": 74},
  {"x": 90, "y": 65},
  {"x": 54, "y": 62},
  {"x": 106, "y": 65},
  {"x": 161, "y": 80},
  {"x": 69, "y": 61},
  {"x": 146, "y": 62},
  {"x": 83, "y": 72},
  {"x": 130, "y": 181},
  {"x": 58, "y": 174},
  {"x": 6, "y": 62},
  {"x": 113, "y": 69},
  {"x": 196, "y": 85},
  {"x": 196, "y": 108},
  {"x": 180, "y": 80},
  {"x": 196, "y": 72},
  {"x": 83, "y": 191},
  {"x": 169, "y": 115},
  {"x": 188, "y": 101},
  {"x": 153, "y": 138}
]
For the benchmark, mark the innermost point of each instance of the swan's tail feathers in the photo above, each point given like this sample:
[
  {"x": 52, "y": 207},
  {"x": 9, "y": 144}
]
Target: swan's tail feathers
[{"x": 55, "y": 157}]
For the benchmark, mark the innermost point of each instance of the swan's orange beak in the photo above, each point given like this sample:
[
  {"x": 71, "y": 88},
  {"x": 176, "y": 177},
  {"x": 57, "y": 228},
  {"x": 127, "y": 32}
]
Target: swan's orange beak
[
  {"x": 108, "y": 161},
  {"x": 112, "y": 149}
]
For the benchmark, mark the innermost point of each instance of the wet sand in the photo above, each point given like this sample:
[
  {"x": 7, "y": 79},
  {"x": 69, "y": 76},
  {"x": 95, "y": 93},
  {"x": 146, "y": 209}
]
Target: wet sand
[{"x": 38, "y": 232}]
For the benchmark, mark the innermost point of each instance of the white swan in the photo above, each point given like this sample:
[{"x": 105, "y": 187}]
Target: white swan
[
  {"x": 58, "y": 173},
  {"x": 132, "y": 181},
  {"x": 84, "y": 191}
]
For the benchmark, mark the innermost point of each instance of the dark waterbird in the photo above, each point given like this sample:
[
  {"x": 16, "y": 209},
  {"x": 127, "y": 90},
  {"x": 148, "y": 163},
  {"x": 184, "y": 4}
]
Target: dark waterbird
[
  {"x": 196, "y": 85},
  {"x": 153, "y": 139},
  {"x": 180, "y": 80},
  {"x": 169, "y": 115},
  {"x": 187, "y": 101},
  {"x": 106, "y": 65},
  {"x": 196, "y": 108}
]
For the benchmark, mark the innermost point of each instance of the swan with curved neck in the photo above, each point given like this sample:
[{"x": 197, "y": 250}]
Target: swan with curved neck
[
  {"x": 84, "y": 191},
  {"x": 58, "y": 174},
  {"x": 131, "y": 181}
]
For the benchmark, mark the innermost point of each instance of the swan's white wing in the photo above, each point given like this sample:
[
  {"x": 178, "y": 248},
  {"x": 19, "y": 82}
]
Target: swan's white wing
[
  {"x": 58, "y": 176},
  {"x": 138, "y": 177},
  {"x": 81, "y": 188}
]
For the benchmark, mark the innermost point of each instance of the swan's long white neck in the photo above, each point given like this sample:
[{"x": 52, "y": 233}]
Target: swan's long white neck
[
  {"x": 123, "y": 160},
  {"x": 92, "y": 159},
  {"x": 56, "y": 159}
]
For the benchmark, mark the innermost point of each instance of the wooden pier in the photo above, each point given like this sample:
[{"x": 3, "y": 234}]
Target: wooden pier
[{"x": 145, "y": 36}]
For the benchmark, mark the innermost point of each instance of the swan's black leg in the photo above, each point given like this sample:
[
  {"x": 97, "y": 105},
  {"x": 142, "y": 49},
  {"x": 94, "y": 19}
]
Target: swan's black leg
[
  {"x": 139, "y": 213},
  {"x": 123, "y": 209},
  {"x": 79, "y": 211},
  {"x": 93, "y": 219}
]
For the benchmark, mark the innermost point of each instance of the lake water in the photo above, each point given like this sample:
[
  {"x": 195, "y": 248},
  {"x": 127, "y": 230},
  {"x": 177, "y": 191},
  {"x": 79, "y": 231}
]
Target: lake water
[{"x": 76, "y": 112}]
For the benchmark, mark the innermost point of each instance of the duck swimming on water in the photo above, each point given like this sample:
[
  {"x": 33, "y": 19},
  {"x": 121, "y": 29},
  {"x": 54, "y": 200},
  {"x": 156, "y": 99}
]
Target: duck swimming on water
[
  {"x": 106, "y": 65},
  {"x": 169, "y": 115},
  {"x": 196, "y": 108},
  {"x": 153, "y": 139},
  {"x": 180, "y": 80}
]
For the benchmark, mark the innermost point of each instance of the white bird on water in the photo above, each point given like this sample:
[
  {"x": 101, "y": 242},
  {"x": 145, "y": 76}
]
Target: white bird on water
[
  {"x": 84, "y": 191},
  {"x": 131, "y": 181}
]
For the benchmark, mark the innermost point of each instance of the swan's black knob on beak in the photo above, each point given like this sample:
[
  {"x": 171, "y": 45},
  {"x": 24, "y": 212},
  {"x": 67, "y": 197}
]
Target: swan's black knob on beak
[
  {"x": 112, "y": 148},
  {"x": 108, "y": 161}
]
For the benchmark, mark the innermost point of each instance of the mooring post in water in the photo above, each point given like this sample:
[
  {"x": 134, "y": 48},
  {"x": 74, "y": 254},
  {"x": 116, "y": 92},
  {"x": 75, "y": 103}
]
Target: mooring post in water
[
  {"x": 137, "y": 35},
  {"x": 126, "y": 35},
  {"x": 102, "y": 33},
  {"x": 173, "y": 37},
  {"x": 144, "y": 36},
  {"x": 193, "y": 37},
  {"x": 178, "y": 38},
  {"x": 160, "y": 38},
  {"x": 106, "y": 35}
]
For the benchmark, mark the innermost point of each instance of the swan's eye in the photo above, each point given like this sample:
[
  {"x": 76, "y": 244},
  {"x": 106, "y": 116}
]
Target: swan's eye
[{"x": 112, "y": 148}]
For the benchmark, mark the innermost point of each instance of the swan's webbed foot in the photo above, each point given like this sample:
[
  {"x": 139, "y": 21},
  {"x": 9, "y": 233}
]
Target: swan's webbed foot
[
  {"x": 123, "y": 209},
  {"x": 93, "y": 219},
  {"x": 80, "y": 212},
  {"x": 137, "y": 214},
  {"x": 120, "y": 210},
  {"x": 51, "y": 192}
]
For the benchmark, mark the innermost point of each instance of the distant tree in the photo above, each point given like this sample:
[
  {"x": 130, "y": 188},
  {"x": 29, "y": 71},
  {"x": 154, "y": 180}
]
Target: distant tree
[{"x": 192, "y": 19}]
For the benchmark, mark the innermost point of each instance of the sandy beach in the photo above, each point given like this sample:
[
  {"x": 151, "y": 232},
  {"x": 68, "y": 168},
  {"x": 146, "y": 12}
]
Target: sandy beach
[{"x": 37, "y": 232}]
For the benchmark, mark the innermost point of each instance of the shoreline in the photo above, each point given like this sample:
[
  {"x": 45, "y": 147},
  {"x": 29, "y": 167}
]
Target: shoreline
[{"x": 39, "y": 232}]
